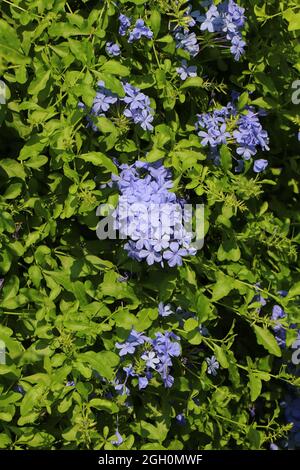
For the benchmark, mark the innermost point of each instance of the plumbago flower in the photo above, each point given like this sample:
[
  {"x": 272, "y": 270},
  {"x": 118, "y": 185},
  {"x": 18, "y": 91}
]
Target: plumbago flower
[
  {"x": 152, "y": 357},
  {"x": 150, "y": 215},
  {"x": 164, "y": 310},
  {"x": 125, "y": 23},
  {"x": 227, "y": 126},
  {"x": 140, "y": 30},
  {"x": 187, "y": 41},
  {"x": 227, "y": 19},
  {"x": 137, "y": 105},
  {"x": 112, "y": 49},
  {"x": 212, "y": 365},
  {"x": 185, "y": 71}
]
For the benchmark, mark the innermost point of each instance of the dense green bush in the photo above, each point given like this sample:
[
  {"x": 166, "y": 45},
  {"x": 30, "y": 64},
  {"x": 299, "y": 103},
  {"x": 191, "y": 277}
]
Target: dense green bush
[{"x": 68, "y": 297}]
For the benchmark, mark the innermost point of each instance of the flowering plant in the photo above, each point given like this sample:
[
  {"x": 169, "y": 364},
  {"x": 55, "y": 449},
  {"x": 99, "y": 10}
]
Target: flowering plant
[{"x": 149, "y": 340}]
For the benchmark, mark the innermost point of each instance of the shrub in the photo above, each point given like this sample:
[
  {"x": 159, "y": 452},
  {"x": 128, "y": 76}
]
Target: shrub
[{"x": 140, "y": 344}]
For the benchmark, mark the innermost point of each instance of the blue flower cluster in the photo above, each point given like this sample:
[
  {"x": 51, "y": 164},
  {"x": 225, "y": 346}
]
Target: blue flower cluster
[
  {"x": 280, "y": 332},
  {"x": 151, "y": 215},
  {"x": 187, "y": 41},
  {"x": 185, "y": 71},
  {"x": 125, "y": 24},
  {"x": 137, "y": 105},
  {"x": 112, "y": 49},
  {"x": 151, "y": 356},
  {"x": 228, "y": 126},
  {"x": 140, "y": 29},
  {"x": 102, "y": 102},
  {"x": 228, "y": 19}
]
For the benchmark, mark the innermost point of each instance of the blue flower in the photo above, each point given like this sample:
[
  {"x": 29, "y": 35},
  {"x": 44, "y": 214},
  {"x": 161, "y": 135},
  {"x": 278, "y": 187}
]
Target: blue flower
[
  {"x": 180, "y": 418},
  {"x": 187, "y": 41},
  {"x": 138, "y": 107},
  {"x": 260, "y": 165},
  {"x": 129, "y": 370},
  {"x": 186, "y": 71},
  {"x": 151, "y": 359},
  {"x": 139, "y": 31},
  {"x": 119, "y": 439},
  {"x": 174, "y": 254},
  {"x": 112, "y": 49},
  {"x": 128, "y": 347},
  {"x": 143, "y": 382},
  {"x": 164, "y": 310},
  {"x": 147, "y": 213},
  {"x": 125, "y": 348},
  {"x": 70, "y": 383},
  {"x": 125, "y": 23},
  {"x": 277, "y": 313},
  {"x": 213, "y": 365},
  {"x": 103, "y": 100},
  {"x": 227, "y": 19},
  {"x": 237, "y": 47}
]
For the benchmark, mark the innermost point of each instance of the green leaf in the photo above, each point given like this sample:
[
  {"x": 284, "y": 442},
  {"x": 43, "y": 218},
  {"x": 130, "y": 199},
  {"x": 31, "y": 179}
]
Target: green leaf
[
  {"x": 114, "y": 67},
  {"x": 12, "y": 168},
  {"x": 267, "y": 340},
  {"x": 103, "y": 404},
  {"x": 223, "y": 286},
  {"x": 13, "y": 191},
  {"x": 293, "y": 19},
  {"x": 155, "y": 20},
  {"x": 190, "y": 324},
  {"x": 221, "y": 356},
  {"x": 229, "y": 250},
  {"x": 10, "y": 45},
  {"x": 294, "y": 291},
  {"x": 192, "y": 82},
  {"x": 255, "y": 386},
  {"x": 39, "y": 83},
  {"x": 102, "y": 362},
  {"x": 99, "y": 159}
]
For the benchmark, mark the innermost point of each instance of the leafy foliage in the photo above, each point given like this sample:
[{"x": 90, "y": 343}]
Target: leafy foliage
[{"x": 67, "y": 297}]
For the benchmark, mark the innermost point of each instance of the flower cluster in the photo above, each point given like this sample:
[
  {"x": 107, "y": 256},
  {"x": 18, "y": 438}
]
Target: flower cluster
[
  {"x": 280, "y": 332},
  {"x": 228, "y": 19},
  {"x": 102, "y": 102},
  {"x": 137, "y": 105},
  {"x": 151, "y": 215},
  {"x": 150, "y": 356},
  {"x": 112, "y": 49},
  {"x": 139, "y": 30},
  {"x": 125, "y": 24},
  {"x": 228, "y": 126},
  {"x": 185, "y": 71},
  {"x": 187, "y": 41}
]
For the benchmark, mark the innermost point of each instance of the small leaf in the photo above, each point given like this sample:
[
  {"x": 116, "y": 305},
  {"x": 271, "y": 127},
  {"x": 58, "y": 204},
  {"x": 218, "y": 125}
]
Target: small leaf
[{"x": 267, "y": 340}]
